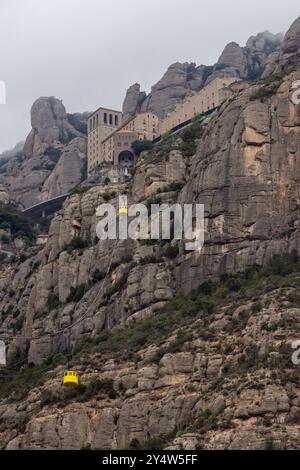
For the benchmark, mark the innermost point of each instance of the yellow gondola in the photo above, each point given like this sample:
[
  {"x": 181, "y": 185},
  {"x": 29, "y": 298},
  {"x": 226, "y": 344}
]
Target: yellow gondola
[
  {"x": 123, "y": 209},
  {"x": 71, "y": 379}
]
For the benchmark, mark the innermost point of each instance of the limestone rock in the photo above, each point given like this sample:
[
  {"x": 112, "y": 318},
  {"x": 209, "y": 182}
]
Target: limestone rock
[
  {"x": 233, "y": 57},
  {"x": 132, "y": 102},
  {"x": 4, "y": 196},
  {"x": 181, "y": 79},
  {"x": 49, "y": 125},
  {"x": 69, "y": 171},
  {"x": 291, "y": 43},
  {"x": 53, "y": 160},
  {"x": 176, "y": 84}
]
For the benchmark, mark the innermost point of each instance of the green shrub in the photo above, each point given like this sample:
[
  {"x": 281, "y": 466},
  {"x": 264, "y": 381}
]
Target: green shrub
[
  {"x": 77, "y": 244},
  {"x": 85, "y": 392},
  {"x": 53, "y": 301},
  {"x": 159, "y": 442},
  {"x": 18, "y": 325},
  {"x": 21, "y": 422},
  {"x": 139, "y": 146},
  {"x": 176, "y": 186},
  {"x": 20, "y": 225},
  {"x": 153, "y": 200},
  {"x": 269, "y": 443},
  {"x": 107, "y": 196},
  {"x": 79, "y": 190},
  {"x": 182, "y": 337},
  {"x": 135, "y": 444},
  {"x": 256, "y": 307},
  {"x": 97, "y": 276},
  {"x": 281, "y": 265},
  {"x": 48, "y": 398},
  {"x": 189, "y": 137},
  {"x": 76, "y": 293},
  {"x": 172, "y": 251},
  {"x": 19, "y": 381},
  {"x": 150, "y": 259}
]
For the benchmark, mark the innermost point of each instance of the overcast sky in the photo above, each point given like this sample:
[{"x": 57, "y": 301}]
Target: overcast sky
[{"x": 87, "y": 52}]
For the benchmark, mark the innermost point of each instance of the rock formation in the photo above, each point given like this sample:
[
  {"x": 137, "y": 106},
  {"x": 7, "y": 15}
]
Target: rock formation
[
  {"x": 215, "y": 380},
  {"x": 4, "y": 196},
  {"x": 180, "y": 80},
  {"x": 291, "y": 43},
  {"x": 53, "y": 158},
  {"x": 132, "y": 102},
  {"x": 16, "y": 150},
  {"x": 175, "y": 349},
  {"x": 175, "y": 85}
]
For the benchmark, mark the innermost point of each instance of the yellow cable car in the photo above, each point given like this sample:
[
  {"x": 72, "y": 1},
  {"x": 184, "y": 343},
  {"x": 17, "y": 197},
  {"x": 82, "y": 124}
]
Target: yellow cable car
[
  {"x": 71, "y": 379},
  {"x": 123, "y": 210}
]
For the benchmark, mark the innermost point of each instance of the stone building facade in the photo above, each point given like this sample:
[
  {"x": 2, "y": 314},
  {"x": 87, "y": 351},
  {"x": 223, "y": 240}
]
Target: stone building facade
[
  {"x": 101, "y": 124},
  {"x": 117, "y": 148},
  {"x": 210, "y": 97},
  {"x": 110, "y": 142}
]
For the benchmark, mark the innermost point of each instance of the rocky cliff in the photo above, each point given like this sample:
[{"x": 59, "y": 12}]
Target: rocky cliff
[
  {"x": 248, "y": 63},
  {"x": 174, "y": 349},
  {"x": 53, "y": 158},
  {"x": 161, "y": 366},
  {"x": 291, "y": 43}
]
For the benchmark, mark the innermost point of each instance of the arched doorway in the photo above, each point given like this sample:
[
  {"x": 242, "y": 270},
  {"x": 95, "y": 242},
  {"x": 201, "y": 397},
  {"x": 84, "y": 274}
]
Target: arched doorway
[{"x": 126, "y": 158}]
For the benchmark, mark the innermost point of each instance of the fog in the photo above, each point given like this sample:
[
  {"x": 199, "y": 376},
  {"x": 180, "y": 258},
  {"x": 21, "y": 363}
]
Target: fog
[{"x": 87, "y": 52}]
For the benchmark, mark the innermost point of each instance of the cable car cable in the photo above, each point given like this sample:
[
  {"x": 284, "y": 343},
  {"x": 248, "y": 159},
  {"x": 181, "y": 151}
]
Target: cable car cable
[{"x": 68, "y": 328}]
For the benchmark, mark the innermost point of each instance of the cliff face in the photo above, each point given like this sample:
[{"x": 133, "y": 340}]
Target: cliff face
[
  {"x": 200, "y": 391},
  {"x": 291, "y": 43},
  {"x": 180, "y": 80},
  {"x": 222, "y": 381},
  {"x": 53, "y": 159}
]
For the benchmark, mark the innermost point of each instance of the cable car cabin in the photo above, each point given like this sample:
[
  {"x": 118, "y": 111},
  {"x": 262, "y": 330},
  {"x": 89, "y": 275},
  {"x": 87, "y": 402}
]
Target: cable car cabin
[
  {"x": 123, "y": 210},
  {"x": 71, "y": 379}
]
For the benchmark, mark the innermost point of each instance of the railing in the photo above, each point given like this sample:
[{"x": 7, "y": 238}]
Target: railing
[
  {"x": 182, "y": 125},
  {"x": 44, "y": 205}
]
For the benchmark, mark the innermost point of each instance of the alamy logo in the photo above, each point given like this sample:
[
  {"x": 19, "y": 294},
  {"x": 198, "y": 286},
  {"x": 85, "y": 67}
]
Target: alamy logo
[
  {"x": 164, "y": 222},
  {"x": 2, "y": 354},
  {"x": 296, "y": 354},
  {"x": 2, "y": 92},
  {"x": 296, "y": 94}
]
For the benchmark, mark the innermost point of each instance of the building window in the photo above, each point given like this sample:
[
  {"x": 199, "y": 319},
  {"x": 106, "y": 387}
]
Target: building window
[
  {"x": 105, "y": 118},
  {"x": 111, "y": 119},
  {"x": 97, "y": 120},
  {"x": 116, "y": 121}
]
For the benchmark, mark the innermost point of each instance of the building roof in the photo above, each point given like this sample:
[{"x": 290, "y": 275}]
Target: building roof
[{"x": 105, "y": 109}]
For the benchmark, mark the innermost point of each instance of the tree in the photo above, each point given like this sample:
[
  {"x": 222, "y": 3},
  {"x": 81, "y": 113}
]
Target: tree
[{"x": 139, "y": 146}]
